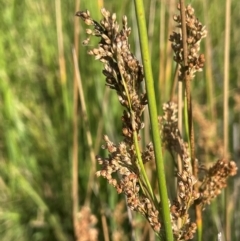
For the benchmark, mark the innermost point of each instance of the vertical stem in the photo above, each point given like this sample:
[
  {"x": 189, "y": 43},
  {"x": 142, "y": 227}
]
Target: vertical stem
[
  {"x": 187, "y": 79},
  {"x": 189, "y": 112},
  {"x": 91, "y": 186},
  {"x": 105, "y": 227},
  {"x": 180, "y": 127},
  {"x": 162, "y": 52},
  {"x": 75, "y": 197},
  {"x": 151, "y": 26},
  {"x": 171, "y": 8},
  {"x": 225, "y": 107},
  {"x": 61, "y": 58},
  {"x": 153, "y": 117},
  {"x": 226, "y": 76},
  {"x": 208, "y": 67},
  {"x": 180, "y": 114}
]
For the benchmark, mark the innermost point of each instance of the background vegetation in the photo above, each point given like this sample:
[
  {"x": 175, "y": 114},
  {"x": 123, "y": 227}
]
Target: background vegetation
[{"x": 44, "y": 127}]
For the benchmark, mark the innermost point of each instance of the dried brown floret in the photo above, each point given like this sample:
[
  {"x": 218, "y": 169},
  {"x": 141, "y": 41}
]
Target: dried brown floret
[
  {"x": 195, "y": 33},
  {"x": 124, "y": 74},
  {"x": 216, "y": 180},
  {"x": 85, "y": 227}
]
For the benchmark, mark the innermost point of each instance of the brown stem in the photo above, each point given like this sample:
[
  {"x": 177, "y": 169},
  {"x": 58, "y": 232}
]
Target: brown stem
[
  {"x": 227, "y": 227},
  {"x": 187, "y": 77},
  {"x": 187, "y": 84},
  {"x": 75, "y": 197},
  {"x": 189, "y": 109}
]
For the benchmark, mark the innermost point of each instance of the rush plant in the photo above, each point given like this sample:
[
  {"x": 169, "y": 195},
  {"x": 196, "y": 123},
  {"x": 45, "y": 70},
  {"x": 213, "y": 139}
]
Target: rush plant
[{"x": 124, "y": 167}]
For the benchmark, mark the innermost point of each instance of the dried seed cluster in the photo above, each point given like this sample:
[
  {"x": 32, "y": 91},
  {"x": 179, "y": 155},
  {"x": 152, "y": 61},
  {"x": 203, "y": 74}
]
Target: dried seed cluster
[
  {"x": 123, "y": 71},
  {"x": 85, "y": 228},
  {"x": 216, "y": 180},
  {"x": 195, "y": 33},
  {"x": 124, "y": 74},
  {"x": 120, "y": 161},
  {"x": 148, "y": 154},
  {"x": 185, "y": 179},
  {"x": 169, "y": 123}
]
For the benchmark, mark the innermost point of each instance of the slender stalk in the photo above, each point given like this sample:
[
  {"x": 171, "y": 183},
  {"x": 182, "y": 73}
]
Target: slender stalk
[
  {"x": 99, "y": 134},
  {"x": 226, "y": 77},
  {"x": 187, "y": 78},
  {"x": 91, "y": 186},
  {"x": 151, "y": 25},
  {"x": 75, "y": 197},
  {"x": 136, "y": 144},
  {"x": 61, "y": 57},
  {"x": 180, "y": 127},
  {"x": 209, "y": 67},
  {"x": 180, "y": 114},
  {"x": 105, "y": 227},
  {"x": 162, "y": 50},
  {"x": 153, "y": 117},
  {"x": 226, "y": 108},
  {"x": 170, "y": 9},
  {"x": 176, "y": 84}
]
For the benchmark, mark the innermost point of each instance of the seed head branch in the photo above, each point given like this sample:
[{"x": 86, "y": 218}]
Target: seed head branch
[{"x": 124, "y": 74}]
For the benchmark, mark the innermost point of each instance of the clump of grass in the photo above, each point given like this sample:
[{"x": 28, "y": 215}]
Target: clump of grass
[{"x": 124, "y": 167}]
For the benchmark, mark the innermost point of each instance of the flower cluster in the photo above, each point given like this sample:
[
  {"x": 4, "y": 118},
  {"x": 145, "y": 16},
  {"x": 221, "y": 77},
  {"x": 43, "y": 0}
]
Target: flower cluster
[
  {"x": 120, "y": 161},
  {"x": 85, "y": 228},
  {"x": 195, "y": 33},
  {"x": 185, "y": 180},
  {"x": 123, "y": 71},
  {"x": 216, "y": 180},
  {"x": 169, "y": 124},
  {"x": 148, "y": 154},
  {"x": 124, "y": 74}
]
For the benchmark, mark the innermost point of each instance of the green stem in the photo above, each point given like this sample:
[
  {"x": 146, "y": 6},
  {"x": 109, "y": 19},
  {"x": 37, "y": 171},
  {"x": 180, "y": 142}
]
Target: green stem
[
  {"x": 147, "y": 186},
  {"x": 154, "y": 119},
  {"x": 143, "y": 173}
]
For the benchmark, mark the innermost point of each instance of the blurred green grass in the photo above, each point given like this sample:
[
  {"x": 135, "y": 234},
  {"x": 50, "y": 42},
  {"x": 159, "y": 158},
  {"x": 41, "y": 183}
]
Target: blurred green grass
[{"x": 36, "y": 108}]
